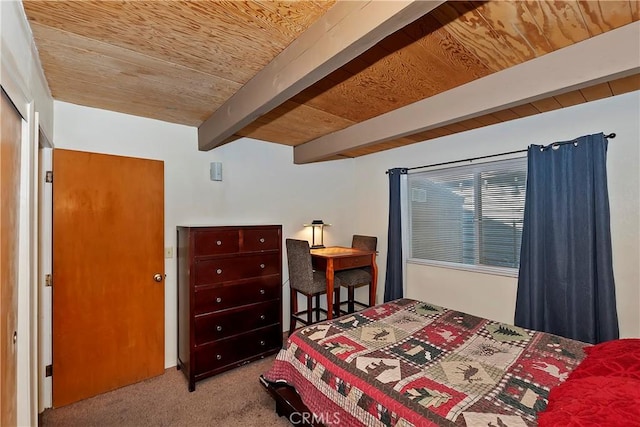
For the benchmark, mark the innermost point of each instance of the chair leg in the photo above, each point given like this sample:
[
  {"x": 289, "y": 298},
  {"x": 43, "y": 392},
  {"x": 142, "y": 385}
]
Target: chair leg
[
  {"x": 293, "y": 308},
  {"x": 317, "y": 307},
  {"x": 337, "y": 304},
  {"x": 309, "y": 309},
  {"x": 350, "y": 298}
]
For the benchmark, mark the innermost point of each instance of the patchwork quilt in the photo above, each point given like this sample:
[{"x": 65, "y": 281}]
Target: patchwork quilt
[{"x": 411, "y": 363}]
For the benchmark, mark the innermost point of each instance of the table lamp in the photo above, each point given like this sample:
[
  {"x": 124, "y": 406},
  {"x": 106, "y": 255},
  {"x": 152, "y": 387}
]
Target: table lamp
[{"x": 317, "y": 231}]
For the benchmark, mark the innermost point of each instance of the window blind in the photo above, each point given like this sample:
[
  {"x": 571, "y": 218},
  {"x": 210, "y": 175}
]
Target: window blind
[{"x": 469, "y": 215}]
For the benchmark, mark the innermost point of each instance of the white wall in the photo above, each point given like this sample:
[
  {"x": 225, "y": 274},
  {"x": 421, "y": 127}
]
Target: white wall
[
  {"x": 494, "y": 296},
  {"x": 260, "y": 185},
  {"x": 22, "y": 78}
]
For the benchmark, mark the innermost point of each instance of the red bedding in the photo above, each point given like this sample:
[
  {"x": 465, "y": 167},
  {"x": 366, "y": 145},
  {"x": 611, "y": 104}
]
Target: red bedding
[
  {"x": 410, "y": 363},
  {"x": 604, "y": 390}
]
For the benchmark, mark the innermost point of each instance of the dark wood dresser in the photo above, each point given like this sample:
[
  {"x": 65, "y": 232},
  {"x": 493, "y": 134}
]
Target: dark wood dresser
[{"x": 229, "y": 297}]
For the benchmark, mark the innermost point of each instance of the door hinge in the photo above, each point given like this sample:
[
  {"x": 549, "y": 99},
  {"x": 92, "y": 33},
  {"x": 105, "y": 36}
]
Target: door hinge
[
  {"x": 48, "y": 280},
  {"x": 48, "y": 176},
  {"x": 48, "y": 370}
]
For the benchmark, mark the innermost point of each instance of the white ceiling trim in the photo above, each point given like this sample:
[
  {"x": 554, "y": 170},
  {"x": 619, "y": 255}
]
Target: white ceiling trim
[
  {"x": 348, "y": 29},
  {"x": 611, "y": 55}
]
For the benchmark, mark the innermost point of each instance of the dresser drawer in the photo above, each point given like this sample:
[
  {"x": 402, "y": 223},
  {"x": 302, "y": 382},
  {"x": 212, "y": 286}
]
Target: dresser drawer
[
  {"x": 214, "y": 242},
  {"x": 219, "y": 298},
  {"x": 215, "y": 326},
  {"x": 218, "y": 270},
  {"x": 235, "y": 349},
  {"x": 260, "y": 239}
]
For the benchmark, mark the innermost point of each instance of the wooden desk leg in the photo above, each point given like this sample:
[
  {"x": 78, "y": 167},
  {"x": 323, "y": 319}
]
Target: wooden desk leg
[
  {"x": 374, "y": 281},
  {"x": 330, "y": 278}
]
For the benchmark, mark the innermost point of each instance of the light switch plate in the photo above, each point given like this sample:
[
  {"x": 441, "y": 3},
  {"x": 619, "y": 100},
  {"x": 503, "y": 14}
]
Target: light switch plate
[{"x": 168, "y": 252}]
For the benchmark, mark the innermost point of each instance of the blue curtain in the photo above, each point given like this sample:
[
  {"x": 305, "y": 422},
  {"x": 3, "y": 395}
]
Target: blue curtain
[
  {"x": 566, "y": 285},
  {"x": 393, "y": 279}
]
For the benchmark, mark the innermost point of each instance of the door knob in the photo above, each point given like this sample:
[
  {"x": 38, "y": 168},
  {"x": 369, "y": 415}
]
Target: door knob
[{"x": 157, "y": 277}]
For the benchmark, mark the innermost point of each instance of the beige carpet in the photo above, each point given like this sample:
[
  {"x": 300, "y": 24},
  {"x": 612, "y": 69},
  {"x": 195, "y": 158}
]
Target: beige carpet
[{"x": 234, "y": 398}]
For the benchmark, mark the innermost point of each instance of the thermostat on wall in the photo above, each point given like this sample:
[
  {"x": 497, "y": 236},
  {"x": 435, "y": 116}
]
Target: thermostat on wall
[{"x": 216, "y": 171}]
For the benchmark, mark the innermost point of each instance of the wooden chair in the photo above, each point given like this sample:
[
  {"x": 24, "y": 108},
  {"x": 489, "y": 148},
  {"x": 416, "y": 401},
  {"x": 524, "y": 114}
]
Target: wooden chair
[
  {"x": 357, "y": 277},
  {"x": 303, "y": 279}
]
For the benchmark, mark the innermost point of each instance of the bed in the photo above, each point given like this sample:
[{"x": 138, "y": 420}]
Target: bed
[{"x": 411, "y": 363}]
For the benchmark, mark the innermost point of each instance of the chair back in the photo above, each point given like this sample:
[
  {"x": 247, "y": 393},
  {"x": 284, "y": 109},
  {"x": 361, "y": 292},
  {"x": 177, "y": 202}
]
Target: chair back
[
  {"x": 367, "y": 243},
  {"x": 299, "y": 261}
]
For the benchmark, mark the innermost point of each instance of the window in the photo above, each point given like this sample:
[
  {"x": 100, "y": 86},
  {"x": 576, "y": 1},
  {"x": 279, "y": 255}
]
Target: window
[{"x": 468, "y": 216}]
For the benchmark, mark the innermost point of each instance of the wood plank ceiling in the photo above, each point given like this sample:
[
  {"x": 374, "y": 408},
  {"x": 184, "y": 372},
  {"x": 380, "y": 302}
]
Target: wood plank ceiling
[{"x": 180, "y": 61}]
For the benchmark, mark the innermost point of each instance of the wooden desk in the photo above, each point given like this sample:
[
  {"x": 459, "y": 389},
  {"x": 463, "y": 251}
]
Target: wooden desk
[{"x": 336, "y": 258}]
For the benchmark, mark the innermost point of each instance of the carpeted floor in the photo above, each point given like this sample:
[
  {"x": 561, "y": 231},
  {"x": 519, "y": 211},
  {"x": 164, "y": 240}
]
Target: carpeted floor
[{"x": 234, "y": 398}]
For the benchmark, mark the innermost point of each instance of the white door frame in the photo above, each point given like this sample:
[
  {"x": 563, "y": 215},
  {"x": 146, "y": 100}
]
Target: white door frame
[{"x": 45, "y": 195}]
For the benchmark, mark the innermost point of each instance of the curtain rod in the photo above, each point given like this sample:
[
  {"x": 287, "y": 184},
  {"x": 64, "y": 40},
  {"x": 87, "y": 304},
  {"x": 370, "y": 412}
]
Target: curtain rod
[{"x": 555, "y": 144}]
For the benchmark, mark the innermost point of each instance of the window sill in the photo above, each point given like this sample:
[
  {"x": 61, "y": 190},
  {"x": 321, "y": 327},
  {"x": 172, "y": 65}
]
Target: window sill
[{"x": 496, "y": 271}]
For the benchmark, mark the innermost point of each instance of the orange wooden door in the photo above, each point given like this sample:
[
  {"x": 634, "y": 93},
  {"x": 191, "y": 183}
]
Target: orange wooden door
[
  {"x": 11, "y": 134},
  {"x": 108, "y": 240}
]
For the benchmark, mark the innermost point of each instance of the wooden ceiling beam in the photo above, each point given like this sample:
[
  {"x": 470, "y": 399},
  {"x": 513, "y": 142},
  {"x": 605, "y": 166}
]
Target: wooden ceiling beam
[
  {"x": 347, "y": 29},
  {"x": 611, "y": 55}
]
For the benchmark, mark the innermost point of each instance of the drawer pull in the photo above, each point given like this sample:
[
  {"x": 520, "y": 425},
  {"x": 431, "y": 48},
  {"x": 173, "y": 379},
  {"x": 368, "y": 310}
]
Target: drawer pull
[
  {"x": 218, "y": 356},
  {"x": 219, "y": 242},
  {"x": 262, "y": 317},
  {"x": 262, "y": 240},
  {"x": 218, "y": 328},
  {"x": 218, "y": 299},
  {"x": 262, "y": 343},
  {"x": 219, "y": 271},
  {"x": 261, "y": 291},
  {"x": 261, "y": 265}
]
